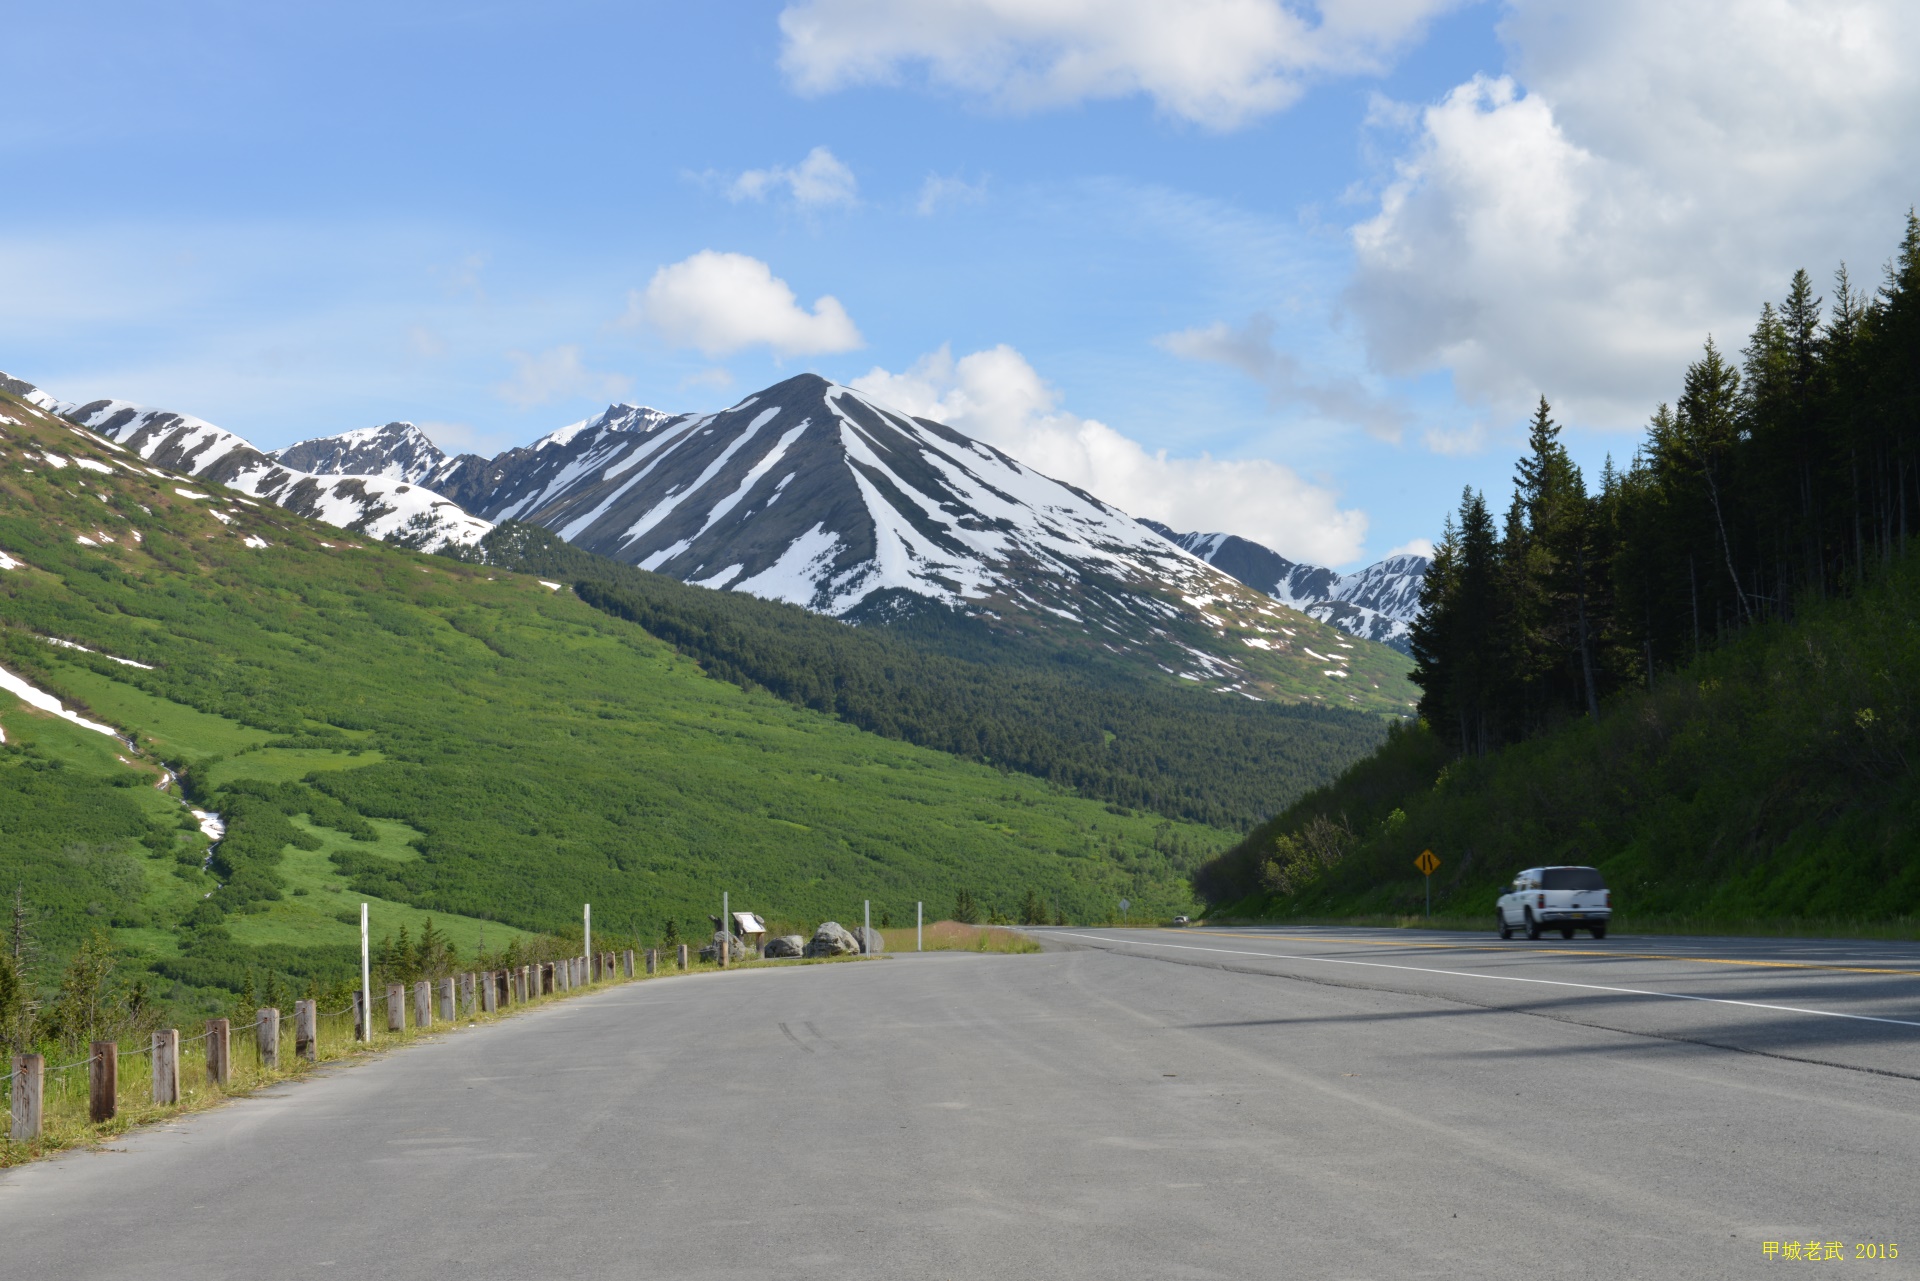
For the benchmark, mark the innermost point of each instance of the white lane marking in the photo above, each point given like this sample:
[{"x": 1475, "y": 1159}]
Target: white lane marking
[{"x": 1500, "y": 978}]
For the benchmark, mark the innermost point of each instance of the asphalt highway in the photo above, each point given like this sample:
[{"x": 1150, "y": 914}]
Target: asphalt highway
[{"x": 1134, "y": 1103}]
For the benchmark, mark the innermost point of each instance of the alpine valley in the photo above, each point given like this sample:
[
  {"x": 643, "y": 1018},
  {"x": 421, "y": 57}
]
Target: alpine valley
[{"x": 246, "y": 692}]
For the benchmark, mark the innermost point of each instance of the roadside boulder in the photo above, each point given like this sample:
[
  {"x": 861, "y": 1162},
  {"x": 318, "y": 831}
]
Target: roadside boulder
[
  {"x": 736, "y": 949},
  {"x": 832, "y": 939},
  {"x": 786, "y": 945},
  {"x": 870, "y": 941}
]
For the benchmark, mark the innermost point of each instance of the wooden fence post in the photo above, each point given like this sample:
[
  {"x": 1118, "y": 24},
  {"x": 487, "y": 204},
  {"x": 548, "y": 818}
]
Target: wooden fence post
[
  {"x": 653, "y": 960},
  {"x": 396, "y": 1007},
  {"x": 219, "y": 1052},
  {"x": 446, "y": 1001},
  {"x": 361, "y": 1027},
  {"x": 503, "y": 984},
  {"x": 565, "y": 971},
  {"x": 306, "y": 1030},
  {"x": 627, "y": 959},
  {"x": 489, "y": 995},
  {"x": 266, "y": 1031},
  {"x": 683, "y": 956},
  {"x": 422, "y": 1004},
  {"x": 29, "y": 1086},
  {"x": 469, "y": 993},
  {"x": 103, "y": 1082},
  {"x": 166, "y": 1066}
]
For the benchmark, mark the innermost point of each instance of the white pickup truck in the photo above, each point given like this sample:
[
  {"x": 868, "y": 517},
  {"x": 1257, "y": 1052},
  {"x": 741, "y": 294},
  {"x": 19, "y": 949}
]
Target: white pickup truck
[{"x": 1560, "y": 898}]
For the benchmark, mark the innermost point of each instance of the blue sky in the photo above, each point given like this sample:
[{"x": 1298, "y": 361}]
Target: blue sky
[{"x": 1292, "y": 271}]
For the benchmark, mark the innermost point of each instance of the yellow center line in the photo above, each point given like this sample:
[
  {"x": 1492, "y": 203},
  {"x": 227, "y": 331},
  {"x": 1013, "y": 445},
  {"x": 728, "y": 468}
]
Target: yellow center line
[{"x": 1564, "y": 951}]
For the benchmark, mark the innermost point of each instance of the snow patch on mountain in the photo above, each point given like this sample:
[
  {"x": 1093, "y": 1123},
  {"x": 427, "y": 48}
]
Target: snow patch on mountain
[
  {"x": 379, "y": 506},
  {"x": 1378, "y": 603}
]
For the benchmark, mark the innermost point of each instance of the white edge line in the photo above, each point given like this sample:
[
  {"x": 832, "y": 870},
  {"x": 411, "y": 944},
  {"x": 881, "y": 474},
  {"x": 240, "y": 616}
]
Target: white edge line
[{"x": 1502, "y": 978}]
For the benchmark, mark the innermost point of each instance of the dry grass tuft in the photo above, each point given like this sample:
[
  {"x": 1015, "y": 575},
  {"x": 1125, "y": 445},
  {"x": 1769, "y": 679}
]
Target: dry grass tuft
[{"x": 952, "y": 936}]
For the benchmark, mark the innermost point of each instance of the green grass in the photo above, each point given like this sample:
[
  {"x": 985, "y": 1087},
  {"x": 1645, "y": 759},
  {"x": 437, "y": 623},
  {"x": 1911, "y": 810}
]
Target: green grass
[
  {"x": 284, "y": 765},
  {"x": 174, "y": 731},
  {"x": 318, "y": 899}
]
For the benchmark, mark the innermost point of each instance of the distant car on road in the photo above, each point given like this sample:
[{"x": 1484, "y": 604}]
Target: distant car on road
[
  {"x": 1561, "y": 898},
  {"x": 1180, "y": 920}
]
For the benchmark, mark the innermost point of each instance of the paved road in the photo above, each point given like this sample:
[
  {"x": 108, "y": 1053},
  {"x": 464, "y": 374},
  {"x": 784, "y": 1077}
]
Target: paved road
[{"x": 1318, "y": 1104}]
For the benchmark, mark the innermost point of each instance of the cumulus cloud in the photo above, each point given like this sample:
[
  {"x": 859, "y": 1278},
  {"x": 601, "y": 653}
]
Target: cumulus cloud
[
  {"x": 1218, "y": 63},
  {"x": 819, "y": 181},
  {"x": 555, "y": 374},
  {"x": 997, "y": 396},
  {"x": 1250, "y": 349},
  {"x": 1647, "y": 173},
  {"x": 720, "y": 303}
]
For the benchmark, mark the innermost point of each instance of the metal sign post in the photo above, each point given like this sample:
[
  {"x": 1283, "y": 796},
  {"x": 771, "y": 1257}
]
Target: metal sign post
[
  {"x": 919, "y": 922},
  {"x": 366, "y": 982},
  {"x": 586, "y": 929},
  {"x": 866, "y": 923},
  {"x": 1428, "y": 865}
]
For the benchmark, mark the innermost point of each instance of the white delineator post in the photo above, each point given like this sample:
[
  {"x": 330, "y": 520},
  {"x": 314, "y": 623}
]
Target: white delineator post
[
  {"x": 586, "y": 929},
  {"x": 866, "y": 922},
  {"x": 726, "y": 927},
  {"x": 919, "y": 923},
  {"x": 366, "y": 982}
]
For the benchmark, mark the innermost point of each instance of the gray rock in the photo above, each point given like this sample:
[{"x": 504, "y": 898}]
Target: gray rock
[
  {"x": 736, "y": 949},
  {"x": 870, "y": 941},
  {"x": 832, "y": 939},
  {"x": 786, "y": 945}
]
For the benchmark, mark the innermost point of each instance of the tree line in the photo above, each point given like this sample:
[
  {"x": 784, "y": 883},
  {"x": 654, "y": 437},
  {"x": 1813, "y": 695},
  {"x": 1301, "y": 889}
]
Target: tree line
[
  {"x": 1784, "y": 474},
  {"x": 948, "y": 684}
]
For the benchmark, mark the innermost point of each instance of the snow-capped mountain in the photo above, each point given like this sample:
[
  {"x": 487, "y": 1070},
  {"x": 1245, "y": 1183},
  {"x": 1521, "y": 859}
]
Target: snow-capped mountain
[
  {"x": 813, "y": 493},
  {"x": 1379, "y": 602},
  {"x": 376, "y": 505},
  {"x": 399, "y": 451}
]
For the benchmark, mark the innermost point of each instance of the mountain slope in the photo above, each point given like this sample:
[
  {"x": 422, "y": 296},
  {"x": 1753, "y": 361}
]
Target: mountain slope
[
  {"x": 813, "y": 494},
  {"x": 456, "y": 738},
  {"x": 1378, "y": 603},
  {"x": 1769, "y": 782},
  {"x": 945, "y": 681},
  {"x": 375, "y": 505}
]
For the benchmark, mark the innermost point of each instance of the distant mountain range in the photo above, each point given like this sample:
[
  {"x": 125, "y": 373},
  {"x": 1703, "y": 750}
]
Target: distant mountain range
[
  {"x": 1379, "y": 602},
  {"x": 377, "y": 505},
  {"x": 812, "y": 493}
]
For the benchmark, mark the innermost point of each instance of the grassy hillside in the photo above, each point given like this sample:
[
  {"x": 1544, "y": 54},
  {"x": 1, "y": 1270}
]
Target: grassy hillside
[
  {"x": 1080, "y": 718},
  {"x": 444, "y": 738},
  {"x": 1772, "y": 781}
]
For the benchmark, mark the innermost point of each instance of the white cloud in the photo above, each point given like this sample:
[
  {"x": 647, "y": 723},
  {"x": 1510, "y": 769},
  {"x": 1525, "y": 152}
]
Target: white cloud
[
  {"x": 1251, "y": 350},
  {"x": 1000, "y": 398},
  {"x": 1650, "y": 172},
  {"x": 1412, "y": 547},
  {"x": 1218, "y": 63},
  {"x": 555, "y": 374},
  {"x": 818, "y": 181},
  {"x": 720, "y": 303},
  {"x": 939, "y": 190}
]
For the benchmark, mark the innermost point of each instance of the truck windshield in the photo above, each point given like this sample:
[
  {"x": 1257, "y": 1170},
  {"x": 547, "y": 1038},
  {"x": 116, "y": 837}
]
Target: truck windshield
[{"x": 1571, "y": 878}]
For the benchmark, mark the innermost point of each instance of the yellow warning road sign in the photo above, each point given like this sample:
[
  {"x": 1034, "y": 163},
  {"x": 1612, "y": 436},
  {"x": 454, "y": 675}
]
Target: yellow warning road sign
[{"x": 1427, "y": 863}]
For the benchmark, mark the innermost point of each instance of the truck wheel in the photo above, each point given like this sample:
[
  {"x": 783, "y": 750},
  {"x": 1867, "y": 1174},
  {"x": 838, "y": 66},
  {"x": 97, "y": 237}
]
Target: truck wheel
[
  {"x": 1533, "y": 926},
  {"x": 1566, "y": 931},
  {"x": 1598, "y": 931},
  {"x": 1506, "y": 931}
]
